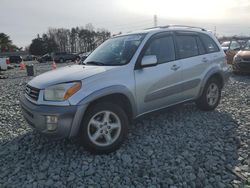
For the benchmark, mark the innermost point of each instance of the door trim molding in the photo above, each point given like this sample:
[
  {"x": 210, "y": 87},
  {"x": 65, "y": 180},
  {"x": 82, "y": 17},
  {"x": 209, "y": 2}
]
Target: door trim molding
[{"x": 166, "y": 92}]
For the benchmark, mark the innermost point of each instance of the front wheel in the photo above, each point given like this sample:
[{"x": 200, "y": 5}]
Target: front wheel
[
  {"x": 104, "y": 128},
  {"x": 211, "y": 95}
]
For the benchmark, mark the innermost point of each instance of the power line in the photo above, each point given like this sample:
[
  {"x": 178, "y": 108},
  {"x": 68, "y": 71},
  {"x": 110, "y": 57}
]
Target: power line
[
  {"x": 124, "y": 25},
  {"x": 134, "y": 26},
  {"x": 139, "y": 25}
]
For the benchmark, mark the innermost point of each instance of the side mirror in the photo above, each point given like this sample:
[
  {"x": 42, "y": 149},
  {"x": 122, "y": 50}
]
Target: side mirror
[{"x": 148, "y": 61}]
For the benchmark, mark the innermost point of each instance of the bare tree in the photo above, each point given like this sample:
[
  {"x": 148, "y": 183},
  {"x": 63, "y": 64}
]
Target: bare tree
[{"x": 78, "y": 39}]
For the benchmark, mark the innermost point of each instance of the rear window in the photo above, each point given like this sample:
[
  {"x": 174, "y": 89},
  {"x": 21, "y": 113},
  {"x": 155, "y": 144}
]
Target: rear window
[
  {"x": 234, "y": 45},
  {"x": 209, "y": 43},
  {"x": 247, "y": 45}
]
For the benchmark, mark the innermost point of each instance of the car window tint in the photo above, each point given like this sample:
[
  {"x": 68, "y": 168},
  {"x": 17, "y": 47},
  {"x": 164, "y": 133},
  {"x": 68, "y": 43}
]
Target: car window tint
[
  {"x": 186, "y": 46},
  {"x": 201, "y": 47},
  {"x": 209, "y": 43},
  {"x": 162, "y": 48}
]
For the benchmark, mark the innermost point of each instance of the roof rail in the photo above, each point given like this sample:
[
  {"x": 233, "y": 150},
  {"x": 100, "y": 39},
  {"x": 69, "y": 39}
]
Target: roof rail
[{"x": 185, "y": 26}]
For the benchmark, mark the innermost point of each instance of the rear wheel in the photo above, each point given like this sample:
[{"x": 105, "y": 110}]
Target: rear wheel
[
  {"x": 104, "y": 127},
  {"x": 211, "y": 95}
]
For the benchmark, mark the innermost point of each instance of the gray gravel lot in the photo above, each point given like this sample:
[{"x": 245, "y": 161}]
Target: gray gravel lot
[{"x": 177, "y": 147}]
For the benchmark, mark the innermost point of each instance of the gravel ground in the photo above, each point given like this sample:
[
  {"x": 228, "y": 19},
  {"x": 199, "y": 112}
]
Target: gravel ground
[{"x": 177, "y": 147}]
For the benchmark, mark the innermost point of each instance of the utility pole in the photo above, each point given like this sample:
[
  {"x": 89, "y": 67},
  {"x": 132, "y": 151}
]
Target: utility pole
[
  {"x": 215, "y": 31},
  {"x": 155, "y": 20}
]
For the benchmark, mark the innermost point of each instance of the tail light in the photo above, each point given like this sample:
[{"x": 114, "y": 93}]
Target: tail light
[{"x": 7, "y": 61}]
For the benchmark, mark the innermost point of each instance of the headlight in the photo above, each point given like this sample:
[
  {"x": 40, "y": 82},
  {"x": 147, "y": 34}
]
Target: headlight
[
  {"x": 61, "y": 92},
  {"x": 237, "y": 59}
]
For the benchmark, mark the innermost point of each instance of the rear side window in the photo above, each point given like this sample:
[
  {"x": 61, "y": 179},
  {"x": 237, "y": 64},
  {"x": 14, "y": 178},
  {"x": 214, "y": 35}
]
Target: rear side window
[
  {"x": 162, "y": 48},
  {"x": 186, "y": 46},
  {"x": 201, "y": 47},
  {"x": 209, "y": 43}
]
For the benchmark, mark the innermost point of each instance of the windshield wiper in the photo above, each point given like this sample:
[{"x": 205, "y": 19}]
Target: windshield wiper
[{"x": 94, "y": 63}]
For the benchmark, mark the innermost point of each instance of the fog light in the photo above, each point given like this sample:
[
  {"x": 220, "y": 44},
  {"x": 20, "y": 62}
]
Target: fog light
[
  {"x": 51, "y": 119},
  {"x": 51, "y": 127},
  {"x": 51, "y": 122}
]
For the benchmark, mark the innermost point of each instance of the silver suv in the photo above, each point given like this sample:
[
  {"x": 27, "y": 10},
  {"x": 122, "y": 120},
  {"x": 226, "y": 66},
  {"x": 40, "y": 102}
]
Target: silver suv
[{"x": 127, "y": 76}]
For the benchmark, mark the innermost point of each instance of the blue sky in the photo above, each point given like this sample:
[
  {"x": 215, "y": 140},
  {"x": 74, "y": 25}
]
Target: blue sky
[{"x": 24, "y": 19}]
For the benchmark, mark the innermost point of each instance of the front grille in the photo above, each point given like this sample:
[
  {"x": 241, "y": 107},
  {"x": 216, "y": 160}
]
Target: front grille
[
  {"x": 32, "y": 92},
  {"x": 246, "y": 59},
  {"x": 245, "y": 67}
]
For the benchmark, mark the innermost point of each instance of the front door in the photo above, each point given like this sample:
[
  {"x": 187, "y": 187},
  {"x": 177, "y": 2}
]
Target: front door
[{"x": 158, "y": 86}]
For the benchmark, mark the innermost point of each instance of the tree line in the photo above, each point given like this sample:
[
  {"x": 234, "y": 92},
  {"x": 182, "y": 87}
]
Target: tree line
[
  {"x": 6, "y": 44},
  {"x": 74, "y": 40}
]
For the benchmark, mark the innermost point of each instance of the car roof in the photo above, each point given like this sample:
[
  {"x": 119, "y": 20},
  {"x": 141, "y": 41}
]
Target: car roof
[{"x": 159, "y": 29}]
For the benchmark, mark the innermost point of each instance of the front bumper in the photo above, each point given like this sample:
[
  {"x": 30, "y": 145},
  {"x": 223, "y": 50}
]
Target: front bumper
[
  {"x": 243, "y": 67},
  {"x": 69, "y": 118}
]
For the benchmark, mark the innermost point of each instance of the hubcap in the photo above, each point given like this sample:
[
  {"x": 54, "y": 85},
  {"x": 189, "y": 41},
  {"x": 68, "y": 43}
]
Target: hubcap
[
  {"x": 104, "y": 128},
  {"x": 212, "y": 94}
]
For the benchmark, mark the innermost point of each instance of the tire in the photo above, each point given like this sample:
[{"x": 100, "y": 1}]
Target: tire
[
  {"x": 206, "y": 104},
  {"x": 112, "y": 130}
]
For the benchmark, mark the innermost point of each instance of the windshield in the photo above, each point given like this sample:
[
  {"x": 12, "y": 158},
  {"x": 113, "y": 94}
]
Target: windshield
[
  {"x": 247, "y": 46},
  {"x": 115, "y": 51},
  {"x": 225, "y": 44}
]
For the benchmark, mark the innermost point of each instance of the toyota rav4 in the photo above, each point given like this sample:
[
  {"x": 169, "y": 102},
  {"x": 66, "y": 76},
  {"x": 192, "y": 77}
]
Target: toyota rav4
[{"x": 125, "y": 77}]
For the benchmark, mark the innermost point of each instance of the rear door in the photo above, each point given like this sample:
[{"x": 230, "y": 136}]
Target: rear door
[
  {"x": 197, "y": 53},
  {"x": 158, "y": 86}
]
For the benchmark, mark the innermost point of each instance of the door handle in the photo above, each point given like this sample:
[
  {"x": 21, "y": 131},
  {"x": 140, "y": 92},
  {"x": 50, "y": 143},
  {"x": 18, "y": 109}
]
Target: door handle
[
  {"x": 205, "y": 60},
  {"x": 175, "y": 67}
]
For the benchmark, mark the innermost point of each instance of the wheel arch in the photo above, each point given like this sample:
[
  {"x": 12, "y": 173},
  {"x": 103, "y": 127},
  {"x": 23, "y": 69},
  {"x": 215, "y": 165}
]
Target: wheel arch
[
  {"x": 117, "y": 94},
  {"x": 213, "y": 73}
]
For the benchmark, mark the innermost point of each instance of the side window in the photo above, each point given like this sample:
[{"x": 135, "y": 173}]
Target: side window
[
  {"x": 162, "y": 48},
  {"x": 209, "y": 43},
  {"x": 201, "y": 47},
  {"x": 186, "y": 46}
]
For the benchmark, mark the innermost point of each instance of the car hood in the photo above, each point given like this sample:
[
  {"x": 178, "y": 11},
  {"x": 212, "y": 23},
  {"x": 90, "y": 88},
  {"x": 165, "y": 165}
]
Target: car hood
[
  {"x": 67, "y": 74},
  {"x": 244, "y": 54}
]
